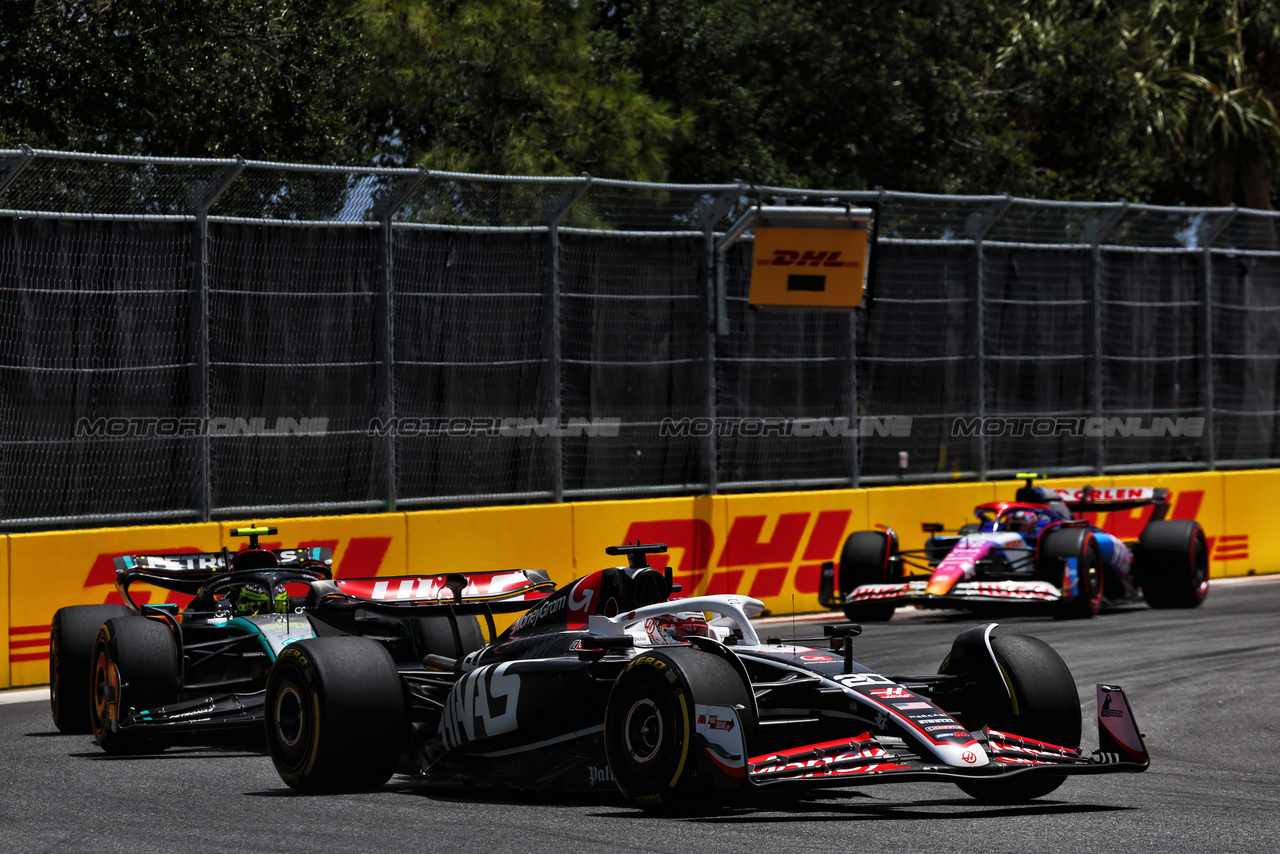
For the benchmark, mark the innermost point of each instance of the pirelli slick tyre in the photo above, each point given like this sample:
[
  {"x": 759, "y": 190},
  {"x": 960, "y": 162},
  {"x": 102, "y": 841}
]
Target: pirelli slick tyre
[
  {"x": 1059, "y": 546},
  {"x": 335, "y": 715},
  {"x": 71, "y": 637},
  {"x": 135, "y": 668},
  {"x": 865, "y": 560},
  {"x": 1173, "y": 564},
  {"x": 1037, "y": 700},
  {"x": 650, "y": 730}
]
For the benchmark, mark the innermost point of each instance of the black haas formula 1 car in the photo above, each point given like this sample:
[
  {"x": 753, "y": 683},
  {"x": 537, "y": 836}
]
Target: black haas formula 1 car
[
  {"x": 1031, "y": 551},
  {"x": 677, "y": 702},
  {"x": 143, "y": 677}
]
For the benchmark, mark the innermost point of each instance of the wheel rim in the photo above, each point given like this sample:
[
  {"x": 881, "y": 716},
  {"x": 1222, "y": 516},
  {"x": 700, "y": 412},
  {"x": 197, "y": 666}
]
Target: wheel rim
[
  {"x": 1093, "y": 574},
  {"x": 291, "y": 719},
  {"x": 55, "y": 674},
  {"x": 643, "y": 731},
  {"x": 106, "y": 693},
  {"x": 1199, "y": 568}
]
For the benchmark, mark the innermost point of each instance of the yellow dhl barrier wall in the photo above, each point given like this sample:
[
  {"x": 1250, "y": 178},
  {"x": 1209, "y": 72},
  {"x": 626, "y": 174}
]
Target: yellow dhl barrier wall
[{"x": 770, "y": 546}]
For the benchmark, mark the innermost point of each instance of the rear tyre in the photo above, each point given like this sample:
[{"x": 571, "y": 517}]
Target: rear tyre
[
  {"x": 650, "y": 725},
  {"x": 435, "y": 636},
  {"x": 71, "y": 637},
  {"x": 1173, "y": 566},
  {"x": 1060, "y": 546},
  {"x": 865, "y": 560},
  {"x": 335, "y": 715},
  {"x": 1045, "y": 706},
  {"x": 135, "y": 667}
]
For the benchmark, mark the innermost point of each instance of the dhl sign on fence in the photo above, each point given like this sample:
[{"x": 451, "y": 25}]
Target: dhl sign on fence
[
  {"x": 769, "y": 546},
  {"x": 809, "y": 267}
]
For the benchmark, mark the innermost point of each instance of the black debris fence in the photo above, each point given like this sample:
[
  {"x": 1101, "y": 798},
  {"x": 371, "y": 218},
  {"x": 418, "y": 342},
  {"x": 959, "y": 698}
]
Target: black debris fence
[{"x": 193, "y": 339}]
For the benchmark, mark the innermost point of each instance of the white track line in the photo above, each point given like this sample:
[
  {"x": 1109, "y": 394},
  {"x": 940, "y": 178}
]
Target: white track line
[{"x": 24, "y": 695}]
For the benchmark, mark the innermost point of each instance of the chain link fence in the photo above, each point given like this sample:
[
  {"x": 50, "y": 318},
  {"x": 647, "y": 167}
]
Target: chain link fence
[{"x": 193, "y": 339}]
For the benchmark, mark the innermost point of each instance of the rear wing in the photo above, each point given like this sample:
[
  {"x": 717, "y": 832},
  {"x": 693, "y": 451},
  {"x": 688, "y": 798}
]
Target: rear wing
[
  {"x": 187, "y": 573},
  {"x": 1089, "y": 499},
  {"x": 494, "y": 591}
]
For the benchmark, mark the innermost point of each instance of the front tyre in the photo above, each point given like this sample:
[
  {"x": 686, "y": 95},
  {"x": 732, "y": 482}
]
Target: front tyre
[
  {"x": 1038, "y": 701},
  {"x": 335, "y": 715},
  {"x": 1173, "y": 564},
  {"x": 865, "y": 560},
  {"x": 1076, "y": 544},
  {"x": 135, "y": 668},
  {"x": 71, "y": 637},
  {"x": 650, "y": 726}
]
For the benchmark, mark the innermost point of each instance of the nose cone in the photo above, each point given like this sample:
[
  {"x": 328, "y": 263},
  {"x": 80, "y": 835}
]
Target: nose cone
[
  {"x": 946, "y": 577},
  {"x": 969, "y": 755}
]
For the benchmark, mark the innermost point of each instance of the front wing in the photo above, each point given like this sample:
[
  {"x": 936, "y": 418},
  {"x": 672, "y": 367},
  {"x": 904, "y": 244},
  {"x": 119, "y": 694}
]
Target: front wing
[
  {"x": 914, "y": 593},
  {"x": 211, "y": 713},
  {"x": 865, "y": 759}
]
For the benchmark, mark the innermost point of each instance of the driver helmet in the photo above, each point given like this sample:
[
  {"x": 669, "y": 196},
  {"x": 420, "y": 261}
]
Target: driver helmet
[
  {"x": 1022, "y": 521},
  {"x": 674, "y": 628},
  {"x": 253, "y": 600}
]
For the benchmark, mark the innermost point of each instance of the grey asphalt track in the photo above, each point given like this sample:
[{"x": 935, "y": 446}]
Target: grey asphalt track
[{"x": 1204, "y": 685}]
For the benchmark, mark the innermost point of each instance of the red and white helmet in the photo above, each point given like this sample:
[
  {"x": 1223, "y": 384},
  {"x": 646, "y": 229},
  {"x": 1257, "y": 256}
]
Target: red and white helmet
[{"x": 674, "y": 628}]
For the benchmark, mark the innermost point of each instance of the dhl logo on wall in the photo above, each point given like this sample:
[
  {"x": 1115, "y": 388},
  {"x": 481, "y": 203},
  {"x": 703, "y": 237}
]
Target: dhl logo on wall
[{"x": 769, "y": 546}]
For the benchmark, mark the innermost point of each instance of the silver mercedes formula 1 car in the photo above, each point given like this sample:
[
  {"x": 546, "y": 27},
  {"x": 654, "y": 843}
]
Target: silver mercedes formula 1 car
[{"x": 611, "y": 680}]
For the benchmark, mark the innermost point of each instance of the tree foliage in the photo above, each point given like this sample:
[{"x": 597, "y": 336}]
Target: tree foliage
[
  {"x": 825, "y": 93},
  {"x": 261, "y": 78},
  {"x": 1209, "y": 82},
  {"x": 513, "y": 86},
  {"x": 1153, "y": 100}
]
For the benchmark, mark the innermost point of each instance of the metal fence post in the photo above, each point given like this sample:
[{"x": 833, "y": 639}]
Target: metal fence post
[
  {"x": 855, "y": 418},
  {"x": 203, "y": 197},
  {"x": 553, "y": 211},
  {"x": 386, "y": 203},
  {"x": 1093, "y": 234},
  {"x": 978, "y": 226},
  {"x": 855, "y": 414},
  {"x": 716, "y": 212},
  {"x": 1209, "y": 233}
]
